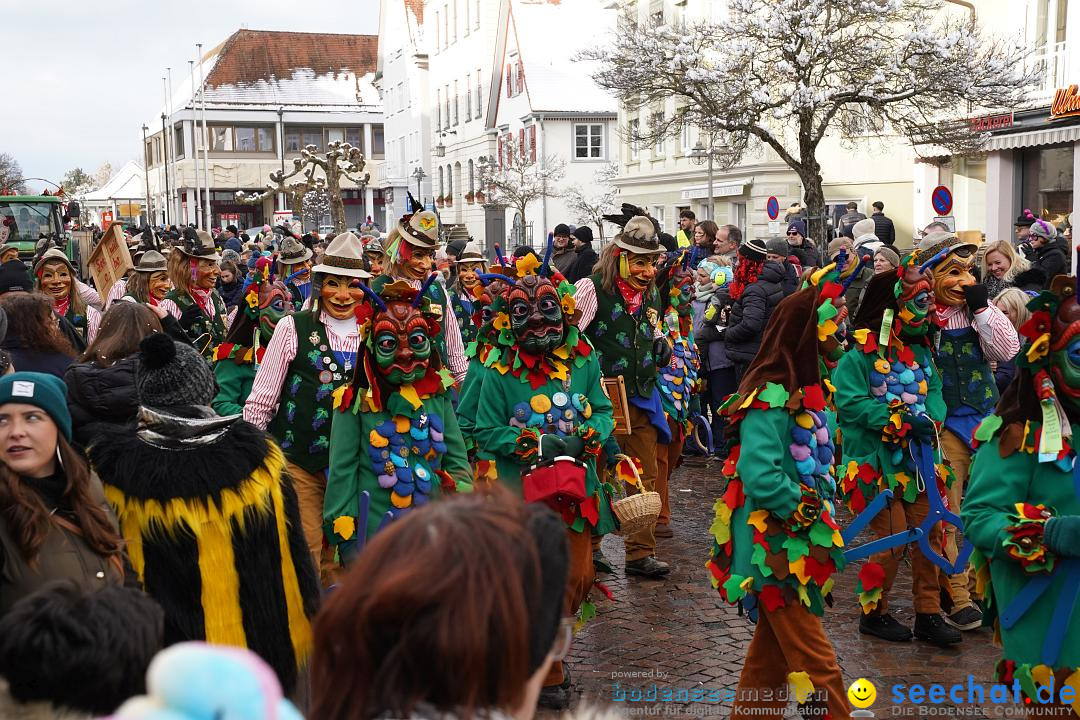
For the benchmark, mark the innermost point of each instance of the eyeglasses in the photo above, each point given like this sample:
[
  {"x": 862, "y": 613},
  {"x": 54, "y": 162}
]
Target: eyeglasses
[
  {"x": 793, "y": 233},
  {"x": 561, "y": 647}
]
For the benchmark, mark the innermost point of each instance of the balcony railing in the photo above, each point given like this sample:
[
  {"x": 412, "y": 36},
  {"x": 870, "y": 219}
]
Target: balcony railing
[{"x": 1052, "y": 63}]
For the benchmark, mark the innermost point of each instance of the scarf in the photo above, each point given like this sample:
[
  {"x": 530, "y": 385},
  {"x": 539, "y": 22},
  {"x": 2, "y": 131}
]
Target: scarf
[
  {"x": 704, "y": 293},
  {"x": 632, "y": 297},
  {"x": 202, "y": 299},
  {"x": 61, "y": 306},
  {"x": 165, "y": 430}
]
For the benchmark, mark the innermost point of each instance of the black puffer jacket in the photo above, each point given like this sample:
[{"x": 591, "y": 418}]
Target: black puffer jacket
[
  {"x": 751, "y": 312},
  {"x": 807, "y": 253},
  {"x": 1051, "y": 259},
  {"x": 101, "y": 398}
]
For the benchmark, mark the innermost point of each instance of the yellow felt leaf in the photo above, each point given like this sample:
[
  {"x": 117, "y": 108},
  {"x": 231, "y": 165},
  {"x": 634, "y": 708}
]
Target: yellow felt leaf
[
  {"x": 345, "y": 527},
  {"x": 747, "y": 585},
  {"x": 801, "y": 683},
  {"x": 559, "y": 370},
  {"x": 749, "y": 399},
  {"x": 861, "y": 335},
  {"x": 1073, "y": 681},
  {"x": 1043, "y": 675},
  {"x": 829, "y": 385},
  {"x": 562, "y": 352},
  {"x": 527, "y": 265},
  {"x": 826, "y": 329},
  {"x": 721, "y": 525},
  {"x": 408, "y": 392},
  {"x": 799, "y": 568},
  {"x": 757, "y": 519},
  {"x": 837, "y": 539},
  {"x": 827, "y": 587},
  {"x": 337, "y": 395},
  {"x": 903, "y": 479}
]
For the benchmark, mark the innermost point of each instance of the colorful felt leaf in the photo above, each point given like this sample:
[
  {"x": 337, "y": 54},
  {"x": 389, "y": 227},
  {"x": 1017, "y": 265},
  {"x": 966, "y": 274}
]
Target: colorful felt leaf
[
  {"x": 344, "y": 527},
  {"x": 801, "y": 684},
  {"x": 774, "y": 394},
  {"x": 796, "y": 548},
  {"x": 821, "y": 534},
  {"x": 986, "y": 429}
]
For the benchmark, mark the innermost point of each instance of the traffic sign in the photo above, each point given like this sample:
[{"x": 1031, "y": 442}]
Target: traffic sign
[
  {"x": 772, "y": 207},
  {"x": 941, "y": 199}
]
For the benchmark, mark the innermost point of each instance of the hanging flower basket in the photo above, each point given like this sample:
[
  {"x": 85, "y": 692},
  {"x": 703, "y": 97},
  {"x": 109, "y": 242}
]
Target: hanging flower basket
[
  {"x": 469, "y": 197},
  {"x": 480, "y": 197},
  {"x": 449, "y": 200},
  {"x": 439, "y": 201}
]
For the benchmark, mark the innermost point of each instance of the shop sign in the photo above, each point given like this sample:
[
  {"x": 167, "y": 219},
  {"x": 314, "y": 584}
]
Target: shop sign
[
  {"x": 1066, "y": 103},
  {"x": 986, "y": 123}
]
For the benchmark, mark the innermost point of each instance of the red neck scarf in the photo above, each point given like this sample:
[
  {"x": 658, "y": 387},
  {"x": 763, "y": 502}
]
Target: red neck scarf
[
  {"x": 202, "y": 297},
  {"x": 61, "y": 306},
  {"x": 630, "y": 295}
]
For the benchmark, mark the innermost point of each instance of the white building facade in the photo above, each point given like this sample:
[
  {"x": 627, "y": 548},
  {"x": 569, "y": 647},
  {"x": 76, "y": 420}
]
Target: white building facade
[
  {"x": 402, "y": 79},
  {"x": 268, "y": 95}
]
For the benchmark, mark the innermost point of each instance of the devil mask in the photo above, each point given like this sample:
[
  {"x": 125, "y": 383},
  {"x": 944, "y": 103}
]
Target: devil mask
[
  {"x": 914, "y": 296},
  {"x": 536, "y": 316},
  {"x": 402, "y": 344},
  {"x": 274, "y": 304}
]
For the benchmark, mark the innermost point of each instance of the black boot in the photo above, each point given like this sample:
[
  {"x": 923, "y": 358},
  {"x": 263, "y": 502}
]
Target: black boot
[
  {"x": 884, "y": 626},
  {"x": 931, "y": 628},
  {"x": 554, "y": 697},
  {"x": 648, "y": 567}
]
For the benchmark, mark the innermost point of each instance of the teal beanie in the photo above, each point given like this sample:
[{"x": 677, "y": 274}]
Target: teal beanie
[{"x": 47, "y": 392}]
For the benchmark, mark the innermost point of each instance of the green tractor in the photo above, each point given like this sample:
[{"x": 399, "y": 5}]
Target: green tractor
[{"x": 25, "y": 220}]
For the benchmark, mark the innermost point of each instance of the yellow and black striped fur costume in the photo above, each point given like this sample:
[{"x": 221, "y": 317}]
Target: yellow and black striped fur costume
[{"x": 213, "y": 533}]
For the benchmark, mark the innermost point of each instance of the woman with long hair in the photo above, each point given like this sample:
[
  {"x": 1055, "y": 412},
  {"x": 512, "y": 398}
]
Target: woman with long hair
[
  {"x": 55, "y": 276},
  {"x": 54, "y": 523},
  {"x": 101, "y": 385},
  {"x": 999, "y": 264},
  {"x": 468, "y": 627},
  {"x": 230, "y": 283},
  {"x": 34, "y": 339}
]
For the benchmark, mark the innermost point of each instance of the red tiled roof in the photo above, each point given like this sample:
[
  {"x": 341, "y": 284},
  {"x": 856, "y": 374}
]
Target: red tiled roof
[{"x": 251, "y": 56}]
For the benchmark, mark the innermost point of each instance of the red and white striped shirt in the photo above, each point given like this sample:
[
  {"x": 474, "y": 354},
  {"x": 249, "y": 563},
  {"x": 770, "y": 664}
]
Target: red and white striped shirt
[
  {"x": 997, "y": 336},
  {"x": 585, "y": 302},
  {"x": 117, "y": 291},
  {"x": 261, "y": 405}
]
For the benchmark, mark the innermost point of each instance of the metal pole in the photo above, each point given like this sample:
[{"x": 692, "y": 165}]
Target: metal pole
[
  {"x": 206, "y": 142},
  {"x": 172, "y": 144},
  {"x": 281, "y": 151},
  {"x": 146, "y": 176},
  {"x": 165, "y": 149},
  {"x": 195, "y": 145},
  {"x": 709, "y": 210}
]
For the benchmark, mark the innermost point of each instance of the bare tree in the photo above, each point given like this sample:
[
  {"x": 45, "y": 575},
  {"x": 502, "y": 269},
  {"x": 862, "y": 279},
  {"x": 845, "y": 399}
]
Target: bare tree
[
  {"x": 316, "y": 206},
  {"x": 790, "y": 72},
  {"x": 77, "y": 182},
  {"x": 11, "y": 175},
  {"x": 318, "y": 171},
  {"x": 520, "y": 179},
  {"x": 590, "y": 205},
  {"x": 103, "y": 174}
]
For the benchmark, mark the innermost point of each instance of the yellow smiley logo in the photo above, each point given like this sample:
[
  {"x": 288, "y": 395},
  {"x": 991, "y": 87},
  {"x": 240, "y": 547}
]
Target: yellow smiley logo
[
  {"x": 862, "y": 693},
  {"x": 427, "y": 222}
]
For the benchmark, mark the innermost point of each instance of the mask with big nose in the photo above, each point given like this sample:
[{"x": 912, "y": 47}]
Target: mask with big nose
[{"x": 536, "y": 316}]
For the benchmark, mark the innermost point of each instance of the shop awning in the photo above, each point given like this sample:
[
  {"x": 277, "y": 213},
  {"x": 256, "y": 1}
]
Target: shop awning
[{"x": 1034, "y": 138}]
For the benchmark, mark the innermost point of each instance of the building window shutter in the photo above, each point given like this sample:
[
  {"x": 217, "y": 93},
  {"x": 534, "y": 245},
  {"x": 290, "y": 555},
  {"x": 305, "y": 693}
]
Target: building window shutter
[
  {"x": 532, "y": 143},
  {"x": 521, "y": 76},
  {"x": 521, "y": 143},
  {"x": 500, "y": 151},
  {"x": 509, "y": 82}
]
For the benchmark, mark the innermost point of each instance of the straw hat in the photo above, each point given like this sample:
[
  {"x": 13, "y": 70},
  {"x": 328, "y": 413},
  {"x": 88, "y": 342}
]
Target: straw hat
[
  {"x": 472, "y": 253},
  {"x": 344, "y": 256}
]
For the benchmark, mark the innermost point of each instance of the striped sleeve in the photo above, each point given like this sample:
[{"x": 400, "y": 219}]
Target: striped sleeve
[
  {"x": 455, "y": 346},
  {"x": 116, "y": 292},
  {"x": 88, "y": 294},
  {"x": 93, "y": 323},
  {"x": 266, "y": 388},
  {"x": 585, "y": 300},
  {"x": 997, "y": 336}
]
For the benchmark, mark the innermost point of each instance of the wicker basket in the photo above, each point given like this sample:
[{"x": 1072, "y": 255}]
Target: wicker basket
[{"x": 639, "y": 511}]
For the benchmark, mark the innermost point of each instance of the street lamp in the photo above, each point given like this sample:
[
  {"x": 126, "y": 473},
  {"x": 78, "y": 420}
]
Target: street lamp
[
  {"x": 700, "y": 155},
  {"x": 419, "y": 174}
]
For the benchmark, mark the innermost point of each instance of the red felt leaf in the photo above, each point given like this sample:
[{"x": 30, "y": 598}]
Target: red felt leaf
[
  {"x": 733, "y": 495},
  {"x": 1037, "y": 324},
  {"x": 605, "y": 590},
  {"x": 820, "y": 572},
  {"x": 867, "y": 473},
  {"x": 871, "y": 575},
  {"x": 771, "y": 597},
  {"x": 906, "y": 355},
  {"x": 857, "y": 501},
  {"x": 721, "y": 575},
  {"x": 590, "y": 511},
  {"x": 813, "y": 398}
]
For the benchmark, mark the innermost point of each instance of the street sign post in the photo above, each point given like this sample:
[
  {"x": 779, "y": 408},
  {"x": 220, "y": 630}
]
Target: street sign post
[{"x": 941, "y": 200}]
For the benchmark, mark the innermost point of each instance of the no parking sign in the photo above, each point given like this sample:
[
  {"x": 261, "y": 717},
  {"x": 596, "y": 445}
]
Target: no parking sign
[{"x": 941, "y": 200}]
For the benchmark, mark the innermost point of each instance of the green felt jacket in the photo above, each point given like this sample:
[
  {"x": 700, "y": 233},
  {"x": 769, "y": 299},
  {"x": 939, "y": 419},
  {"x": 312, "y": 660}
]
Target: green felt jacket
[
  {"x": 990, "y": 515},
  {"x": 352, "y": 471},
  {"x": 468, "y": 400},
  {"x": 234, "y": 385},
  {"x": 862, "y": 419},
  {"x": 497, "y": 440},
  {"x": 753, "y": 551}
]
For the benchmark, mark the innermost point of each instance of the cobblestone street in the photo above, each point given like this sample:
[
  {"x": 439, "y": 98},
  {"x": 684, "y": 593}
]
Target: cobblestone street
[{"x": 682, "y": 632}]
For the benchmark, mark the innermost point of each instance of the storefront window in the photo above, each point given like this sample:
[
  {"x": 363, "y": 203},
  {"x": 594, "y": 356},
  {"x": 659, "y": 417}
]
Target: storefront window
[{"x": 1047, "y": 185}]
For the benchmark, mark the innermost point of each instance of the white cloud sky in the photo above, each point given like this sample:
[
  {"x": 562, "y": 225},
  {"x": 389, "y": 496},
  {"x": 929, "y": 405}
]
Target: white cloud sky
[{"x": 81, "y": 77}]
